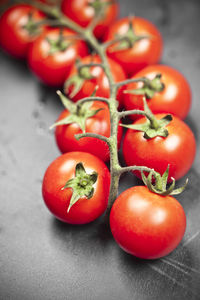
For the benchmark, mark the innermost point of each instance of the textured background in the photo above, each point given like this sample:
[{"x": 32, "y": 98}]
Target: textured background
[{"x": 41, "y": 258}]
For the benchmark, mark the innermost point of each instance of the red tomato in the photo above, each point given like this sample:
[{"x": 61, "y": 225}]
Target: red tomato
[
  {"x": 53, "y": 62},
  {"x": 99, "y": 123},
  {"x": 99, "y": 78},
  {"x": 57, "y": 200},
  {"x": 14, "y": 37},
  {"x": 146, "y": 224},
  {"x": 177, "y": 149},
  {"x": 81, "y": 12},
  {"x": 175, "y": 98},
  {"x": 144, "y": 52}
]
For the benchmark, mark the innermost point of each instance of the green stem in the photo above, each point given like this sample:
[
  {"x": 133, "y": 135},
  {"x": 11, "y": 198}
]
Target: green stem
[
  {"x": 92, "y": 135},
  {"x": 125, "y": 113},
  {"x": 90, "y": 99},
  {"x": 153, "y": 121},
  {"x": 138, "y": 168},
  {"x": 127, "y": 81}
]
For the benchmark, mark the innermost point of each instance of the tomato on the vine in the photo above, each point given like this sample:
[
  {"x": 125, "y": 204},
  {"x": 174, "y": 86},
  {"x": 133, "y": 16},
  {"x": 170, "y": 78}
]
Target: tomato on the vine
[
  {"x": 176, "y": 150},
  {"x": 83, "y": 12},
  {"x": 53, "y": 54},
  {"x": 85, "y": 87},
  {"x": 98, "y": 123},
  {"x": 91, "y": 182},
  {"x": 173, "y": 98},
  {"x": 146, "y": 224},
  {"x": 142, "y": 46},
  {"x": 19, "y": 27}
]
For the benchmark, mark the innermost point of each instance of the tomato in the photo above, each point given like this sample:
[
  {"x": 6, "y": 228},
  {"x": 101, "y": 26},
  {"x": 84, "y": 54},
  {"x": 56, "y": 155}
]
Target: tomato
[
  {"x": 83, "y": 12},
  {"x": 99, "y": 124},
  {"x": 98, "y": 79},
  {"x": 175, "y": 98},
  {"x": 177, "y": 149},
  {"x": 51, "y": 59},
  {"x": 18, "y": 30},
  {"x": 144, "y": 52},
  {"x": 57, "y": 200},
  {"x": 146, "y": 224}
]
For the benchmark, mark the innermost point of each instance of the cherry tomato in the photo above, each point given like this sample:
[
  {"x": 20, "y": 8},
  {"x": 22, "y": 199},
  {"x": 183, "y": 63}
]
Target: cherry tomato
[
  {"x": 57, "y": 200},
  {"x": 144, "y": 52},
  {"x": 18, "y": 29},
  {"x": 99, "y": 124},
  {"x": 177, "y": 149},
  {"x": 146, "y": 224},
  {"x": 175, "y": 98},
  {"x": 83, "y": 12},
  {"x": 99, "y": 79},
  {"x": 53, "y": 54}
]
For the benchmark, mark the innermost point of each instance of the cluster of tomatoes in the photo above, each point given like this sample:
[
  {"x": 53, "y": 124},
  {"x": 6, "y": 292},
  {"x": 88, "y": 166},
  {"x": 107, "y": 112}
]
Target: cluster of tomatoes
[{"x": 76, "y": 185}]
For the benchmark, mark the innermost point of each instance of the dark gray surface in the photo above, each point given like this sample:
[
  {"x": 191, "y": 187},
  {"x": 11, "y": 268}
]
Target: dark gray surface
[{"x": 41, "y": 258}]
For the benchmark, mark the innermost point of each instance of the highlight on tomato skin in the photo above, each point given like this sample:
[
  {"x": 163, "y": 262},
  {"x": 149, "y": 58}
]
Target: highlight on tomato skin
[
  {"x": 99, "y": 124},
  {"x": 57, "y": 200},
  {"x": 82, "y": 12},
  {"x": 175, "y": 98},
  {"x": 17, "y": 32},
  {"x": 53, "y": 54},
  {"x": 177, "y": 150},
  {"x": 147, "y": 44},
  {"x": 145, "y": 224}
]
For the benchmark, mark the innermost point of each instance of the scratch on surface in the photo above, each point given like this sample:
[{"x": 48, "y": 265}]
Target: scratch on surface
[
  {"x": 191, "y": 238},
  {"x": 184, "y": 266},
  {"x": 179, "y": 268},
  {"x": 161, "y": 272}
]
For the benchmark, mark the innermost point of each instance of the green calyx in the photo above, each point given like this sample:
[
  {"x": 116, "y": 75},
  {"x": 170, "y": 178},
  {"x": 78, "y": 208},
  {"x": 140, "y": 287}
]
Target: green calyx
[
  {"x": 58, "y": 45},
  {"x": 153, "y": 127},
  {"x": 160, "y": 187},
  {"x": 149, "y": 88},
  {"x": 32, "y": 27},
  {"x": 99, "y": 6},
  {"x": 82, "y": 185},
  {"x": 76, "y": 81},
  {"x": 128, "y": 40},
  {"x": 78, "y": 113}
]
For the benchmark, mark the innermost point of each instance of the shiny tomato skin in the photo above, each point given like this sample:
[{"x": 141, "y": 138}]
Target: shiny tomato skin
[
  {"x": 99, "y": 124},
  {"x": 143, "y": 53},
  {"x": 145, "y": 224},
  {"x": 174, "y": 99},
  {"x": 52, "y": 69},
  {"x": 15, "y": 39},
  {"x": 59, "y": 172},
  {"x": 99, "y": 79},
  {"x": 176, "y": 150},
  {"x": 81, "y": 13}
]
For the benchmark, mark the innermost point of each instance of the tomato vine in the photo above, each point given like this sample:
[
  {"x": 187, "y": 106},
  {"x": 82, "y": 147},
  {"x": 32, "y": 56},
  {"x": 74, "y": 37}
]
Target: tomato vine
[
  {"x": 77, "y": 186},
  {"x": 59, "y": 19}
]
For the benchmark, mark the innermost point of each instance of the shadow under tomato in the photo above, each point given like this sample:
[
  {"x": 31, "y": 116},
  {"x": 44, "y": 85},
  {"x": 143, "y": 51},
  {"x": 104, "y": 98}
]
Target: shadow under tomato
[
  {"x": 193, "y": 126},
  {"x": 48, "y": 94},
  {"x": 88, "y": 239},
  {"x": 190, "y": 197},
  {"x": 17, "y": 66}
]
